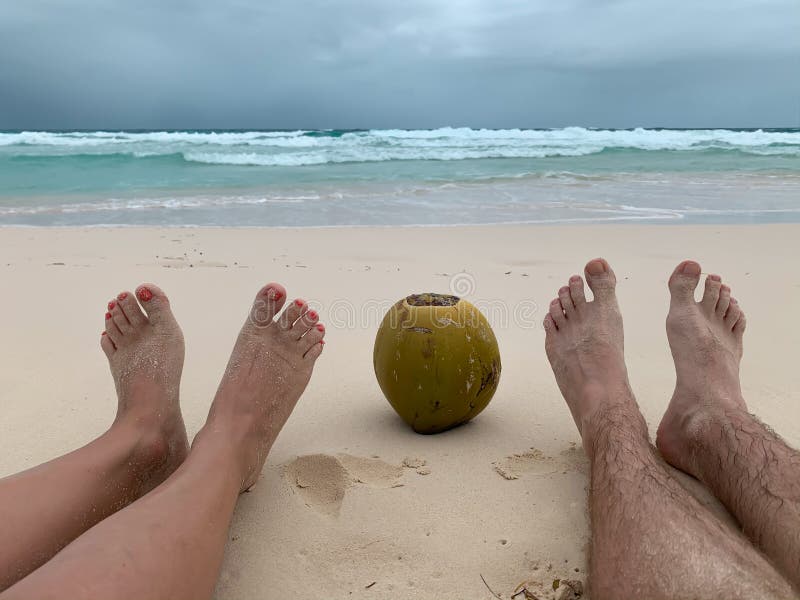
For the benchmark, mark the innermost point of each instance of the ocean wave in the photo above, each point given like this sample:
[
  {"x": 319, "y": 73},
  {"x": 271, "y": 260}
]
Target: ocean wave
[
  {"x": 100, "y": 138},
  {"x": 363, "y": 155},
  {"x": 300, "y": 147}
]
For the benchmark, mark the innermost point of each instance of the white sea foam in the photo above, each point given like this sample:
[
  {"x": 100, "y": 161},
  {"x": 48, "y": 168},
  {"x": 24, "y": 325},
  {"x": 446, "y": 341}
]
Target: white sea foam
[
  {"x": 368, "y": 154},
  {"x": 295, "y": 148},
  {"x": 99, "y": 138},
  {"x": 147, "y": 204}
]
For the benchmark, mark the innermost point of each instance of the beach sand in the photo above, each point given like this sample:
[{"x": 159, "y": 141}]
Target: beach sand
[{"x": 352, "y": 504}]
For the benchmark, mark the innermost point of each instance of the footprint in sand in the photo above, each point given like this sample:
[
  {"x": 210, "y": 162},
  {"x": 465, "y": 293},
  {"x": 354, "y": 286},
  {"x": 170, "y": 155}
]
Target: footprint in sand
[
  {"x": 420, "y": 465},
  {"x": 322, "y": 480},
  {"x": 535, "y": 461},
  {"x": 531, "y": 461}
]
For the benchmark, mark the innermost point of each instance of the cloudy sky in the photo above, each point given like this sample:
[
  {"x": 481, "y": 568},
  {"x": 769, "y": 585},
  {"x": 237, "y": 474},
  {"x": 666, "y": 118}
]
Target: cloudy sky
[{"x": 398, "y": 63}]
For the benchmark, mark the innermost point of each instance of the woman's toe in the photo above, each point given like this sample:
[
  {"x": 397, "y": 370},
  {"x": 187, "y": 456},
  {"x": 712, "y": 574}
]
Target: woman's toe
[
  {"x": 267, "y": 305},
  {"x": 112, "y": 330},
  {"x": 155, "y": 303},
  {"x": 292, "y": 313},
  {"x": 107, "y": 345},
  {"x": 305, "y": 322},
  {"x": 131, "y": 309},
  {"x": 120, "y": 320},
  {"x": 315, "y": 351},
  {"x": 312, "y": 337}
]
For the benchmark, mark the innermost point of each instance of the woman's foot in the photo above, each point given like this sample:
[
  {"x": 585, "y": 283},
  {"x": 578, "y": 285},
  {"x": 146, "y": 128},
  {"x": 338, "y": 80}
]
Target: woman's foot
[
  {"x": 145, "y": 352},
  {"x": 269, "y": 369},
  {"x": 706, "y": 342},
  {"x": 584, "y": 343}
]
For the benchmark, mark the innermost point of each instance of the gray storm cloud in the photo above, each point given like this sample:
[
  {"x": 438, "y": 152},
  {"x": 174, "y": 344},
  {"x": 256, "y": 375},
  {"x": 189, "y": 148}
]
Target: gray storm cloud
[{"x": 382, "y": 63}]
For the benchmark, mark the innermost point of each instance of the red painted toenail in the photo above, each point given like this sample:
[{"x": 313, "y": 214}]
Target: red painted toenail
[
  {"x": 299, "y": 302},
  {"x": 322, "y": 342},
  {"x": 274, "y": 294},
  {"x": 108, "y": 316},
  {"x": 312, "y": 314},
  {"x": 122, "y": 296},
  {"x": 320, "y": 327},
  {"x": 145, "y": 294},
  {"x": 111, "y": 305},
  {"x": 104, "y": 333}
]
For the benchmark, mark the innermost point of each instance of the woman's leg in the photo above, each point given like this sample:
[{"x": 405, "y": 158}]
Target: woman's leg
[
  {"x": 45, "y": 508},
  {"x": 170, "y": 543}
]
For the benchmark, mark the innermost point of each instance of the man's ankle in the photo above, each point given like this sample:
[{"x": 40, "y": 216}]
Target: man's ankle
[{"x": 614, "y": 422}]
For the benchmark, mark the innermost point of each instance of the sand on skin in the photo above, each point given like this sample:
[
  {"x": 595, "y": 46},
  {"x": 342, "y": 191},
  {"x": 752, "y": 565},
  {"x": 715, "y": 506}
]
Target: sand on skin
[{"x": 396, "y": 532}]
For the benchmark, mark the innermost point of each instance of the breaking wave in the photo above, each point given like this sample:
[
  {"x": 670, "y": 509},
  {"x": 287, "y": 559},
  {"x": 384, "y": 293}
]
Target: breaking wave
[{"x": 300, "y": 147}]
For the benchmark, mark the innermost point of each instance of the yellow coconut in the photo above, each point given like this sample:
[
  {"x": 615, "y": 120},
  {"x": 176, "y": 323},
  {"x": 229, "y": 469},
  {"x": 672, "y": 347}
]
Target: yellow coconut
[{"x": 436, "y": 360}]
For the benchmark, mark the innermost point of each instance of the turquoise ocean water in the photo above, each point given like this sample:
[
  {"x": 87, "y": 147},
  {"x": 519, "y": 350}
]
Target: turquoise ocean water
[{"x": 398, "y": 177}]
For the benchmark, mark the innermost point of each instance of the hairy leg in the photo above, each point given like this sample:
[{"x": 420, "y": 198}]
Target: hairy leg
[
  {"x": 45, "y": 508},
  {"x": 650, "y": 538},
  {"x": 708, "y": 432},
  {"x": 170, "y": 543}
]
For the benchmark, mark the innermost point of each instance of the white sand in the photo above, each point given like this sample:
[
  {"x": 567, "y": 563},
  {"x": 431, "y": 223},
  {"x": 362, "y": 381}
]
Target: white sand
[{"x": 336, "y": 509}]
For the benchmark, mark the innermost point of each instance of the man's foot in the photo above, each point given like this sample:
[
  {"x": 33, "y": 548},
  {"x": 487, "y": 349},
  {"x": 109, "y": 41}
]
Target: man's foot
[
  {"x": 268, "y": 370},
  {"x": 145, "y": 351},
  {"x": 706, "y": 342},
  {"x": 584, "y": 343}
]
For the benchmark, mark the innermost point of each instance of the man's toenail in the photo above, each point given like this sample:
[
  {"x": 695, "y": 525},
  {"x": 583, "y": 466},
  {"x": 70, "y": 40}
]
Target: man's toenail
[
  {"x": 312, "y": 314},
  {"x": 108, "y": 316},
  {"x": 111, "y": 305},
  {"x": 320, "y": 327},
  {"x": 122, "y": 296},
  {"x": 299, "y": 302},
  {"x": 596, "y": 267},
  {"x": 575, "y": 279},
  {"x": 691, "y": 268},
  {"x": 145, "y": 294},
  {"x": 715, "y": 278}
]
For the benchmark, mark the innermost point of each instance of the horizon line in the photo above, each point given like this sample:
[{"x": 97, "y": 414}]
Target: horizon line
[{"x": 13, "y": 130}]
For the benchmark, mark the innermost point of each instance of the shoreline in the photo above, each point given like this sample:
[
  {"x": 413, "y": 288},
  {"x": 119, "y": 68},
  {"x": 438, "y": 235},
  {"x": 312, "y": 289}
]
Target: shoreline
[
  {"x": 664, "y": 222},
  {"x": 603, "y": 198}
]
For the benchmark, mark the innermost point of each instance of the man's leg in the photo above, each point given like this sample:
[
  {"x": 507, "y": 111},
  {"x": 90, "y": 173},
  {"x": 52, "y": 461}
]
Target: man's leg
[
  {"x": 45, "y": 508},
  {"x": 708, "y": 432},
  {"x": 169, "y": 544},
  {"x": 650, "y": 538}
]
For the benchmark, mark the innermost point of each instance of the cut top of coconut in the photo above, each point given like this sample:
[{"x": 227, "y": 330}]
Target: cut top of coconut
[{"x": 432, "y": 299}]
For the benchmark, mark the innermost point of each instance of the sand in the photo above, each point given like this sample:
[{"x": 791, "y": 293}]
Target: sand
[{"x": 352, "y": 504}]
